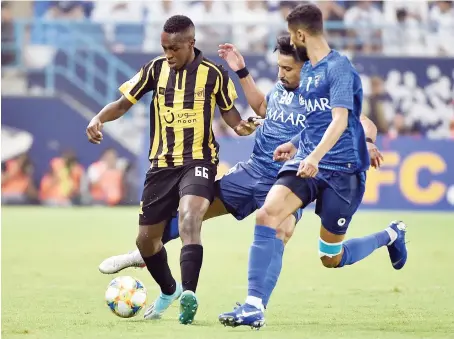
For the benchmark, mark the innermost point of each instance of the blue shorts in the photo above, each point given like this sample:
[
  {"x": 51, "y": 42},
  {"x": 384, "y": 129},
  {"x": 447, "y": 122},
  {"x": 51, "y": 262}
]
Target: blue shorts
[
  {"x": 338, "y": 194},
  {"x": 243, "y": 190}
]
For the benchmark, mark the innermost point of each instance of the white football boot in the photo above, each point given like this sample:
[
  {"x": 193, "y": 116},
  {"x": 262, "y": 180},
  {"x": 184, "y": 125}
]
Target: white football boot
[{"x": 119, "y": 262}]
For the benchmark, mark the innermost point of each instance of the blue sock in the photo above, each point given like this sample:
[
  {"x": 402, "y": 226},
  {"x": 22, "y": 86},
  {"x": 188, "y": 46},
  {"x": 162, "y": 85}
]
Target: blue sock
[
  {"x": 171, "y": 231},
  {"x": 260, "y": 255},
  {"x": 359, "y": 248},
  {"x": 274, "y": 270}
]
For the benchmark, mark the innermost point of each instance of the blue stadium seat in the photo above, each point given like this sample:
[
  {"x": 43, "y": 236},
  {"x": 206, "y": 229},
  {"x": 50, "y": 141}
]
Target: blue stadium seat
[{"x": 130, "y": 35}]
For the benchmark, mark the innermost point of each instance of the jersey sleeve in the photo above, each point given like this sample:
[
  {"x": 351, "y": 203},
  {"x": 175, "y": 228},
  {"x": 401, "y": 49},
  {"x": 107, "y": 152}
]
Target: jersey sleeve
[
  {"x": 142, "y": 83},
  {"x": 340, "y": 77},
  {"x": 226, "y": 94}
]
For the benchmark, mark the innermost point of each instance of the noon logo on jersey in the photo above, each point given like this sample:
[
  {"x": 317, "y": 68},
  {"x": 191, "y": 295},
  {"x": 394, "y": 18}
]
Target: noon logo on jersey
[{"x": 181, "y": 118}]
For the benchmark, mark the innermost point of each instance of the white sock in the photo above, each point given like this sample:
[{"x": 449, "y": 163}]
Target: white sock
[
  {"x": 254, "y": 301},
  {"x": 392, "y": 235}
]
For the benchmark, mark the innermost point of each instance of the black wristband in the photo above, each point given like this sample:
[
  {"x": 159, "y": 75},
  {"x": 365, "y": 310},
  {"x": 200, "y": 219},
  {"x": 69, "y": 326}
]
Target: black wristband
[
  {"x": 242, "y": 73},
  {"x": 369, "y": 140}
]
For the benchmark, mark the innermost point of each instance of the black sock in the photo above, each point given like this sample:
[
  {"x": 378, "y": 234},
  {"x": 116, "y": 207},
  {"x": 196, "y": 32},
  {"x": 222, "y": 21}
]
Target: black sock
[
  {"x": 160, "y": 271},
  {"x": 191, "y": 262}
]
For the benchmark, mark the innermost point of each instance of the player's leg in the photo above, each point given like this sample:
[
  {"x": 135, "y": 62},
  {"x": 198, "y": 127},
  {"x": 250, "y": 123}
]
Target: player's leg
[
  {"x": 234, "y": 194},
  {"x": 336, "y": 209},
  {"x": 285, "y": 197},
  {"x": 284, "y": 233},
  {"x": 196, "y": 194},
  {"x": 160, "y": 182},
  {"x": 119, "y": 262}
]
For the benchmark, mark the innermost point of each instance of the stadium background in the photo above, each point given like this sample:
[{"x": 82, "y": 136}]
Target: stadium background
[{"x": 63, "y": 61}]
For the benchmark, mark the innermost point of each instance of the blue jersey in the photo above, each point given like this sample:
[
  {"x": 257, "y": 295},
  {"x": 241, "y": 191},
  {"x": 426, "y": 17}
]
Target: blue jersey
[
  {"x": 333, "y": 82},
  {"x": 284, "y": 119}
]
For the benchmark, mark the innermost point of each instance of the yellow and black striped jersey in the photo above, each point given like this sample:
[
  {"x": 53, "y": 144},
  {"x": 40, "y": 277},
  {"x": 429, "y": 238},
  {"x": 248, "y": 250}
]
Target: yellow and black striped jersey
[{"x": 182, "y": 109}]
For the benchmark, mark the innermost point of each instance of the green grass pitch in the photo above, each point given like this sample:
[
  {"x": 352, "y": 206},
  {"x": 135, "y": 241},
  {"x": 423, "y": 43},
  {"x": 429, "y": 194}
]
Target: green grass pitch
[{"x": 51, "y": 287}]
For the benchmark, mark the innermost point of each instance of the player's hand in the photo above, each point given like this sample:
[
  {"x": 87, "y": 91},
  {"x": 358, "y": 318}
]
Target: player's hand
[
  {"x": 244, "y": 128},
  {"x": 230, "y": 54},
  {"x": 93, "y": 131},
  {"x": 284, "y": 152},
  {"x": 376, "y": 158},
  {"x": 308, "y": 167},
  {"x": 257, "y": 121}
]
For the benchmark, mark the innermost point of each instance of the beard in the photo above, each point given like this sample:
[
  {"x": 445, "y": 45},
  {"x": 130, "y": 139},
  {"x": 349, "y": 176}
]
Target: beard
[{"x": 302, "y": 54}]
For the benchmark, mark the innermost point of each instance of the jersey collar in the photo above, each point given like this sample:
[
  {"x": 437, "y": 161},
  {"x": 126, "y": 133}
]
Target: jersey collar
[{"x": 196, "y": 62}]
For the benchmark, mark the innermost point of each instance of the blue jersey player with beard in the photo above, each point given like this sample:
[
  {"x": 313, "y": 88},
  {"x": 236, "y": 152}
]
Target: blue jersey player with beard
[{"x": 329, "y": 167}]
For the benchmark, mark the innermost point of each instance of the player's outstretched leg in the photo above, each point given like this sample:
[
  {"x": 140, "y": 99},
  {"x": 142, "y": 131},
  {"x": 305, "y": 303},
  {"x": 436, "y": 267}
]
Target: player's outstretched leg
[
  {"x": 155, "y": 257},
  {"x": 396, "y": 247},
  {"x": 280, "y": 203},
  {"x": 119, "y": 262},
  {"x": 353, "y": 250}
]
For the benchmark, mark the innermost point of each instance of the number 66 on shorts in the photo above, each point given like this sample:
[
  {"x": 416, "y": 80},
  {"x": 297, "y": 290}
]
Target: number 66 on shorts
[{"x": 164, "y": 188}]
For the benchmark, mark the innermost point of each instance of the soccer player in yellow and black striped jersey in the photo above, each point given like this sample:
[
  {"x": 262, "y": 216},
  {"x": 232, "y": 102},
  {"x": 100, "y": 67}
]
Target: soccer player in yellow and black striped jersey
[{"x": 183, "y": 153}]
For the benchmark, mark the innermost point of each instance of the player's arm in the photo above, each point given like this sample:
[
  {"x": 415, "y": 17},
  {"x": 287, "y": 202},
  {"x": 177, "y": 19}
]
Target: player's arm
[
  {"x": 370, "y": 130},
  {"x": 333, "y": 132},
  {"x": 233, "y": 119},
  {"x": 340, "y": 78},
  {"x": 114, "y": 110},
  {"x": 133, "y": 90},
  {"x": 254, "y": 96},
  {"x": 225, "y": 97}
]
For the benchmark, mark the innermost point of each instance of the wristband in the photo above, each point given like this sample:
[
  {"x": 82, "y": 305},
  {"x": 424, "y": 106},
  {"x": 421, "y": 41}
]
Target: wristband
[
  {"x": 242, "y": 73},
  {"x": 369, "y": 140}
]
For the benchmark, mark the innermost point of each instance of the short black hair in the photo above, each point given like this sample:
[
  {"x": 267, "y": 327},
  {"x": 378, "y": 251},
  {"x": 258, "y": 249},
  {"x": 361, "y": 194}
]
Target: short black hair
[
  {"x": 284, "y": 46},
  {"x": 178, "y": 24},
  {"x": 309, "y": 16}
]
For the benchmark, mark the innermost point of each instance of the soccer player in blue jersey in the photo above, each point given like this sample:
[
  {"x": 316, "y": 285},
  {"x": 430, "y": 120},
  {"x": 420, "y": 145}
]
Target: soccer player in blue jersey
[{"x": 329, "y": 165}]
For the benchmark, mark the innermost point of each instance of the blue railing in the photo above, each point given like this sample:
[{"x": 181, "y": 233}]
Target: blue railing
[{"x": 81, "y": 52}]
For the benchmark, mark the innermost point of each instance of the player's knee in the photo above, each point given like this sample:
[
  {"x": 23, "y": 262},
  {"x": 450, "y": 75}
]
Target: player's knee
[
  {"x": 266, "y": 215},
  {"x": 285, "y": 233},
  {"x": 147, "y": 246},
  {"x": 288, "y": 233},
  {"x": 189, "y": 224},
  {"x": 331, "y": 262}
]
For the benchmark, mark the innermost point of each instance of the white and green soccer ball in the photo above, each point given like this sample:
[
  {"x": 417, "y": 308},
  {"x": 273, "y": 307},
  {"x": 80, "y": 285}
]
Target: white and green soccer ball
[{"x": 126, "y": 296}]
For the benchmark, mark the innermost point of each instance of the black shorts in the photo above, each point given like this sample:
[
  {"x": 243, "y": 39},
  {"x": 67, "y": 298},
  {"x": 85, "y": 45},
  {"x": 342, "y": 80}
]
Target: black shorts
[{"x": 164, "y": 187}]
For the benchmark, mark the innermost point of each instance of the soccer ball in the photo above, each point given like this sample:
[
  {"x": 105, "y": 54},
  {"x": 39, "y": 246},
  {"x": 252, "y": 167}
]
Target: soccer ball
[{"x": 126, "y": 296}]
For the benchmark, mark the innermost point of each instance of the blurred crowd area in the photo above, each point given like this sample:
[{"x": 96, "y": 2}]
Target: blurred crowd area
[
  {"x": 388, "y": 27},
  {"x": 399, "y": 106},
  {"x": 109, "y": 181}
]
